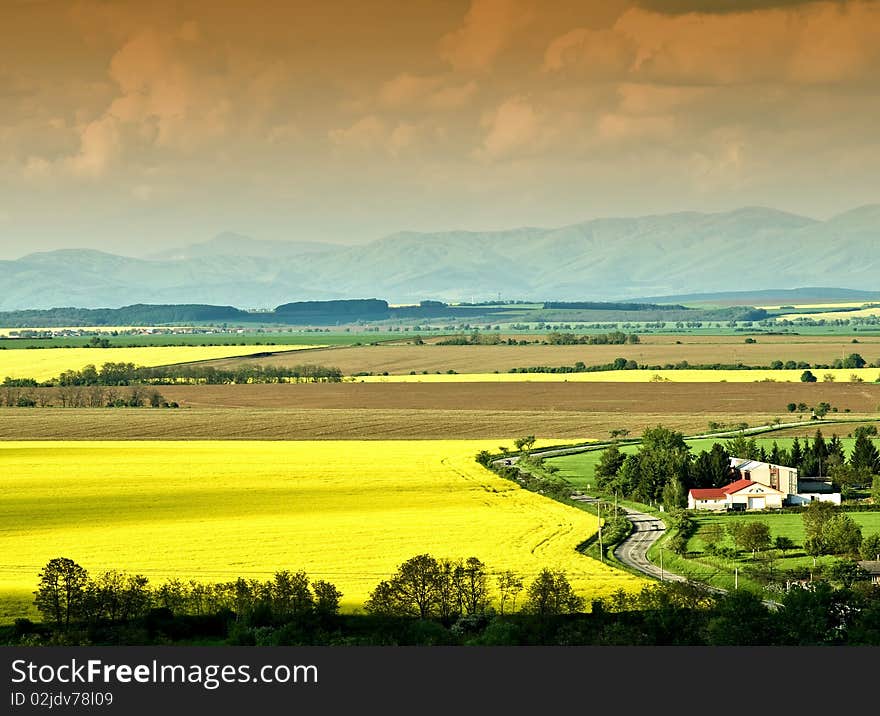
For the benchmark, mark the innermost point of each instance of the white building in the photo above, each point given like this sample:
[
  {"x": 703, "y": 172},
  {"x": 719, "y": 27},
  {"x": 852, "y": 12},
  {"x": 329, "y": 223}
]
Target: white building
[{"x": 739, "y": 495}]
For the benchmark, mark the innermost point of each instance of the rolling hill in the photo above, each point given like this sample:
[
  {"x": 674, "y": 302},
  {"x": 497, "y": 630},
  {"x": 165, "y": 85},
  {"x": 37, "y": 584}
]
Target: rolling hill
[{"x": 749, "y": 249}]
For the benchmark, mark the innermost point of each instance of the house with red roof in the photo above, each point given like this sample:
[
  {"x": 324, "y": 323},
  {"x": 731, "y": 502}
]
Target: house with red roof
[{"x": 739, "y": 495}]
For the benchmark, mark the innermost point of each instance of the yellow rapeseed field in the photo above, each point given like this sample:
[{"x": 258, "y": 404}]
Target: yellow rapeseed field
[
  {"x": 841, "y": 375},
  {"x": 346, "y": 511},
  {"x": 832, "y": 315},
  {"x": 46, "y": 363}
]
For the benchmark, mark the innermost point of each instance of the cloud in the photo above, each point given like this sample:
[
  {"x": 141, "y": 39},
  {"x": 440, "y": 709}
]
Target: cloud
[
  {"x": 489, "y": 28},
  {"x": 817, "y": 43},
  {"x": 681, "y": 7},
  {"x": 814, "y": 43},
  {"x": 431, "y": 92},
  {"x": 100, "y": 147},
  {"x": 367, "y": 133},
  {"x": 371, "y": 133},
  {"x": 514, "y": 126},
  {"x": 598, "y": 53}
]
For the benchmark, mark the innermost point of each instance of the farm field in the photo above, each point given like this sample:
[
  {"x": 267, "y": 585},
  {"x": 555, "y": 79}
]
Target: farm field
[
  {"x": 634, "y": 376},
  {"x": 402, "y": 358},
  {"x": 833, "y": 315},
  {"x": 304, "y": 338},
  {"x": 719, "y": 571},
  {"x": 43, "y": 364},
  {"x": 348, "y": 512},
  {"x": 326, "y": 424}
]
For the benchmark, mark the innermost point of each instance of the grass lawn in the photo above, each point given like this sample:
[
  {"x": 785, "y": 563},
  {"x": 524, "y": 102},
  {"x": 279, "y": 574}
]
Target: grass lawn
[{"x": 719, "y": 571}]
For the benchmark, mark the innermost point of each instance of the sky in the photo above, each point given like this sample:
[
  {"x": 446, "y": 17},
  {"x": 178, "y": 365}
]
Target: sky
[{"x": 132, "y": 127}]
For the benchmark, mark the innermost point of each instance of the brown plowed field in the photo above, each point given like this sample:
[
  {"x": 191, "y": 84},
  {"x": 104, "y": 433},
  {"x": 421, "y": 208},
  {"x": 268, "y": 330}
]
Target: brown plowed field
[
  {"x": 317, "y": 424},
  {"x": 656, "y": 398},
  {"x": 402, "y": 359},
  {"x": 431, "y": 410}
]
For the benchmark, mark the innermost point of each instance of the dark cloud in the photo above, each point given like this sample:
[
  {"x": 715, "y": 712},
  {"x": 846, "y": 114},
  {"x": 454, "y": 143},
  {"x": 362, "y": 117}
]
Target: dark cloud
[{"x": 679, "y": 7}]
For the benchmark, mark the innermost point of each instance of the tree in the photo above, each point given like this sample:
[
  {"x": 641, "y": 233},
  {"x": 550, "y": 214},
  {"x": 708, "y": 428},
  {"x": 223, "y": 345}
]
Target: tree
[
  {"x": 847, "y": 477},
  {"x": 327, "y": 598},
  {"x": 854, "y": 360},
  {"x": 510, "y": 585},
  {"x": 674, "y": 495},
  {"x": 735, "y": 530},
  {"x": 524, "y": 444},
  {"x": 756, "y": 536},
  {"x": 739, "y": 618},
  {"x": 792, "y": 407},
  {"x": 796, "y": 457},
  {"x": 743, "y": 447},
  {"x": 551, "y": 594},
  {"x": 472, "y": 586},
  {"x": 413, "y": 590},
  {"x": 870, "y": 548},
  {"x": 865, "y": 455},
  {"x": 711, "y": 468},
  {"x": 842, "y": 535},
  {"x": 808, "y": 377},
  {"x": 609, "y": 464},
  {"x": 61, "y": 592},
  {"x": 815, "y": 519},
  {"x": 659, "y": 437},
  {"x": 845, "y": 572},
  {"x": 783, "y": 544}
]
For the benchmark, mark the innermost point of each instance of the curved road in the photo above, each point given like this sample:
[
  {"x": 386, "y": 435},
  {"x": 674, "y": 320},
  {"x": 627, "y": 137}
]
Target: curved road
[
  {"x": 647, "y": 529},
  {"x": 633, "y": 551}
]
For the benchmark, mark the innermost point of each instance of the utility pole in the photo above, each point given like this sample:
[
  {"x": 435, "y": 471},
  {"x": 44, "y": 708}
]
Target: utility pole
[
  {"x": 736, "y": 577},
  {"x": 661, "y": 564},
  {"x": 599, "y": 512}
]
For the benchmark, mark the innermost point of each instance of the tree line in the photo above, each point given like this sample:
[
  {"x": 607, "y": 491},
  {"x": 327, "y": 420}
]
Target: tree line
[
  {"x": 122, "y": 374},
  {"x": 621, "y": 363},
  {"x": 290, "y": 609}
]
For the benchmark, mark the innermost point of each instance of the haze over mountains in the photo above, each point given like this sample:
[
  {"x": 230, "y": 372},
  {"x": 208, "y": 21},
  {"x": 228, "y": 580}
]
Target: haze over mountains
[{"x": 747, "y": 249}]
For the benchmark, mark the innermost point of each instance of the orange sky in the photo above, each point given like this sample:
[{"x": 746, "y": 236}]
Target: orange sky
[{"x": 130, "y": 126}]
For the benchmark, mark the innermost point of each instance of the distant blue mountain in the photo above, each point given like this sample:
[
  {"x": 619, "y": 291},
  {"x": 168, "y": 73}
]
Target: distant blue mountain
[{"x": 747, "y": 250}]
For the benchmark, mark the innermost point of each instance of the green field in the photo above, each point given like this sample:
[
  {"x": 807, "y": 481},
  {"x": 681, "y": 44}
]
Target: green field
[
  {"x": 287, "y": 338},
  {"x": 719, "y": 571}
]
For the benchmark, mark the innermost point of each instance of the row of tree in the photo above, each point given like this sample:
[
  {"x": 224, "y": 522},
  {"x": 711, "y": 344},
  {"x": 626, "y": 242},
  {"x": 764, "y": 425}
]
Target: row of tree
[
  {"x": 423, "y": 586},
  {"x": 628, "y": 364},
  {"x": 93, "y": 396},
  {"x": 444, "y": 589},
  {"x": 117, "y": 374},
  {"x": 819, "y": 457},
  {"x": 67, "y": 594},
  {"x": 832, "y": 610}
]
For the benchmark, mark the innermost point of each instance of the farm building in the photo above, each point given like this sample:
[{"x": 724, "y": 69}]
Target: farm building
[
  {"x": 814, "y": 490},
  {"x": 798, "y": 491},
  {"x": 740, "y": 495},
  {"x": 778, "y": 477}
]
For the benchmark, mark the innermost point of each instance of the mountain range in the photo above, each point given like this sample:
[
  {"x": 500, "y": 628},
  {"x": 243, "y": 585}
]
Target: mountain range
[{"x": 752, "y": 248}]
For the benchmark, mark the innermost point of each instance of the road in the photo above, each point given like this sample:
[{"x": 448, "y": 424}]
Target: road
[
  {"x": 633, "y": 551},
  {"x": 647, "y": 529}
]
